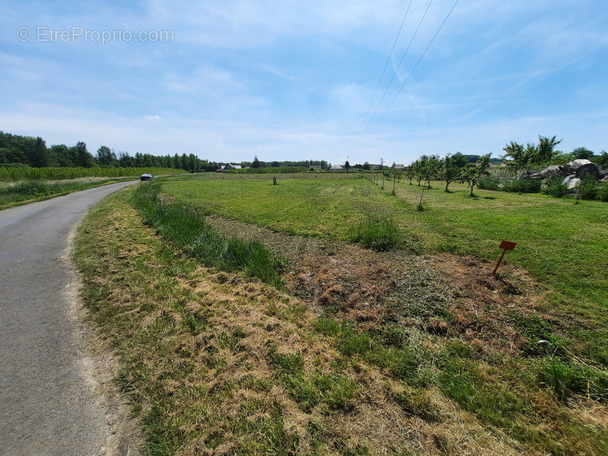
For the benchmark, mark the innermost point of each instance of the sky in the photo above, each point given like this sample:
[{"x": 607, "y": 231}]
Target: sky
[{"x": 334, "y": 80}]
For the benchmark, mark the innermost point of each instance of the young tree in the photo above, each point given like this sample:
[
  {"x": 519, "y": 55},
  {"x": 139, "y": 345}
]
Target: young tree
[
  {"x": 472, "y": 172},
  {"x": 347, "y": 165},
  {"x": 451, "y": 166},
  {"x": 431, "y": 168},
  {"x": 256, "y": 163}
]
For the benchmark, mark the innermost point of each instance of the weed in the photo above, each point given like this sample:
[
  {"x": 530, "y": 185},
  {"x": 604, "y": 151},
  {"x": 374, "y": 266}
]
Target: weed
[
  {"x": 568, "y": 378},
  {"x": 379, "y": 234}
]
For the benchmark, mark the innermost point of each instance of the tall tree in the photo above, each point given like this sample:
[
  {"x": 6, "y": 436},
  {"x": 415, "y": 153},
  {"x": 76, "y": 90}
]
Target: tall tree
[
  {"x": 105, "y": 156},
  {"x": 83, "y": 157},
  {"x": 546, "y": 149}
]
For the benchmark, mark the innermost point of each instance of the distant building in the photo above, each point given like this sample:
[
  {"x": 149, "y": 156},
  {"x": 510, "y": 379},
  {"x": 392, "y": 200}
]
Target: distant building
[
  {"x": 399, "y": 166},
  {"x": 228, "y": 167},
  {"x": 336, "y": 168}
]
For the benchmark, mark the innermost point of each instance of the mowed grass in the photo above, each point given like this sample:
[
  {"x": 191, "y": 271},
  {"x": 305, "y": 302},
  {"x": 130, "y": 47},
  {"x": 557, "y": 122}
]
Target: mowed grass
[
  {"x": 564, "y": 245},
  {"x": 317, "y": 206}
]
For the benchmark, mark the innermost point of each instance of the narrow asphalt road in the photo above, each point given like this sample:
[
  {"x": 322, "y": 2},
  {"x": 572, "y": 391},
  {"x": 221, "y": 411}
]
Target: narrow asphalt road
[{"x": 48, "y": 405}]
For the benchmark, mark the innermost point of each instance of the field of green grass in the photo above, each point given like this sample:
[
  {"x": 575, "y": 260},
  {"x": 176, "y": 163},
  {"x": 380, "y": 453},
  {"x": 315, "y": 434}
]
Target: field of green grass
[
  {"x": 562, "y": 244},
  {"x": 433, "y": 343}
]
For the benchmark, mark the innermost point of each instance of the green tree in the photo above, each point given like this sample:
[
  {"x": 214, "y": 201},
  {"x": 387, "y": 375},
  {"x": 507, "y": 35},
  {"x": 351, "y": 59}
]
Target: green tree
[
  {"x": 431, "y": 168},
  {"x": 472, "y": 172},
  {"x": 545, "y": 152},
  {"x": 106, "y": 156},
  {"x": 82, "y": 156},
  {"x": 367, "y": 166},
  {"x": 581, "y": 152},
  {"x": 347, "y": 165},
  {"x": 451, "y": 167},
  {"x": 256, "y": 163}
]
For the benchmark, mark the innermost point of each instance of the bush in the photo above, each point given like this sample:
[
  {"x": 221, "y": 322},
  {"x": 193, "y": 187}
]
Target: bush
[
  {"x": 588, "y": 188},
  {"x": 555, "y": 188},
  {"x": 602, "y": 192},
  {"x": 522, "y": 186},
  {"x": 489, "y": 182},
  {"x": 379, "y": 234}
]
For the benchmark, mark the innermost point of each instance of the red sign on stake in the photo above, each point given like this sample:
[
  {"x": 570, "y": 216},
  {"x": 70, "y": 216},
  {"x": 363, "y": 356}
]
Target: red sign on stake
[{"x": 504, "y": 245}]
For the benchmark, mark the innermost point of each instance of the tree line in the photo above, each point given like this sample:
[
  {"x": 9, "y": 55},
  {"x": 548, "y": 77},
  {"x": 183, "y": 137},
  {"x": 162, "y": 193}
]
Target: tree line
[{"x": 17, "y": 151}]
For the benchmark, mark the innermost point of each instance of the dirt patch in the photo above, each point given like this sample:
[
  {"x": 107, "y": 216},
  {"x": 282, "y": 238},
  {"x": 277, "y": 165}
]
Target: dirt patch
[
  {"x": 483, "y": 307},
  {"x": 443, "y": 294}
]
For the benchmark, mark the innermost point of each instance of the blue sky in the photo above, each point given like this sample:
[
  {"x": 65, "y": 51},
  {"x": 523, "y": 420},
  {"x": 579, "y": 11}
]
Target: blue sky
[{"x": 294, "y": 80}]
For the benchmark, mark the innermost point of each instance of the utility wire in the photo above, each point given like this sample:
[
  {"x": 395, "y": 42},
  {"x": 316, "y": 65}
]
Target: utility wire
[
  {"x": 369, "y": 108},
  {"x": 415, "y": 66},
  {"x": 400, "y": 63}
]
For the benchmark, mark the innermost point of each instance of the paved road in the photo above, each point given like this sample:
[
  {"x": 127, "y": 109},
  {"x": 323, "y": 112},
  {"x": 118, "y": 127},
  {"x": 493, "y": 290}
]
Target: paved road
[{"x": 47, "y": 402}]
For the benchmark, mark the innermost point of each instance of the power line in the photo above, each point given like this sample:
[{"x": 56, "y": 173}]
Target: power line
[
  {"x": 385, "y": 66},
  {"x": 400, "y": 62},
  {"x": 415, "y": 66}
]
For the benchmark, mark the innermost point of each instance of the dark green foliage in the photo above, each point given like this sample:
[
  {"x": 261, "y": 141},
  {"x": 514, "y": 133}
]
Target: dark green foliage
[
  {"x": 556, "y": 188},
  {"x": 379, "y": 234},
  {"x": 522, "y": 186},
  {"x": 489, "y": 182},
  {"x": 183, "y": 225},
  {"x": 588, "y": 188},
  {"x": 602, "y": 192}
]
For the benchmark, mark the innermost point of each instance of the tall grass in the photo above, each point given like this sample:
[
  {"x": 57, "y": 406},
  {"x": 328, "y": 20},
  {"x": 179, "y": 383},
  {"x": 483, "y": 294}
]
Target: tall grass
[
  {"x": 17, "y": 174},
  {"x": 378, "y": 233},
  {"x": 183, "y": 225}
]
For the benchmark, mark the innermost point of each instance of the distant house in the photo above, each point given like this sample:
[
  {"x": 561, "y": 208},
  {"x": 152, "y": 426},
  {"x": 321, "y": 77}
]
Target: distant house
[
  {"x": 336, "y": 168},
  {"x": 399, "y": 166},
  {"x": 228, "y": 167}
]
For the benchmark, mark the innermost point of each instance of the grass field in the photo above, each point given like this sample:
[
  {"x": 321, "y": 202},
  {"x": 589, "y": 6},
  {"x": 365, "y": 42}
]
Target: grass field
[{"x": 418, "y": 350}]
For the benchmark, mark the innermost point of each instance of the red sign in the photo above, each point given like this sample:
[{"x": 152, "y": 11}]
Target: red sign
[{"x": 506, "y": 245}]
